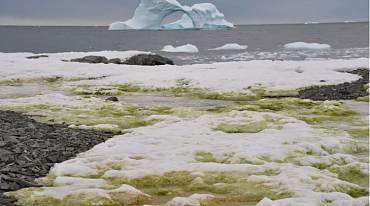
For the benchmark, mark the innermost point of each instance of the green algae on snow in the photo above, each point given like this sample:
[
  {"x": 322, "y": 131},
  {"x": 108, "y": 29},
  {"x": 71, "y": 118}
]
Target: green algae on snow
[
  {"x": 13, "y": 83},
  {"x": 98, "y": 112},
  {"x": 182, "y": 91},
  {"x": 27, "y": 197},
  {"x": 363, "y": 99},
  {"x": 225, "y": 186},
  {"x": 358, "y": 133}
]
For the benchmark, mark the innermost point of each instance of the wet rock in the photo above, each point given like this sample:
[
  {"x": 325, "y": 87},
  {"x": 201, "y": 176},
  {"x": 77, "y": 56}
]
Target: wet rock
[
  {"x": 91, "y": 60},
  {"x": 148, "y": 60},
  {"x": 115, "y": 61},
  {"x": 113, "y": 99},
  {"x": 37, "y": 57}
]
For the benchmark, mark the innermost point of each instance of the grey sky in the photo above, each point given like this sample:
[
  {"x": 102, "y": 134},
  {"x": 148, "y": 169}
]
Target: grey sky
[{"x": 99, "y": 12}]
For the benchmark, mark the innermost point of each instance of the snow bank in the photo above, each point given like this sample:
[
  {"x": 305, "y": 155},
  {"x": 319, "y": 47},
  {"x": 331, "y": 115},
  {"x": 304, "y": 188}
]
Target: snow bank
[
  {"x": 306, "y": 46},
  {"x": 189, "y": 48},
  {"x": 224, "y": 77},
  {"x": 231, "y": 47},
  {"x": 150, "y": 14}
]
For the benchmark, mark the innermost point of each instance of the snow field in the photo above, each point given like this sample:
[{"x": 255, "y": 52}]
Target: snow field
[
  {"x": 232, "y": 77},
  {"x": 270, "y": 151},
  {"x": 284, "y": 159}
]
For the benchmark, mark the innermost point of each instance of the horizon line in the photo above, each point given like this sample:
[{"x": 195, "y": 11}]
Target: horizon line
[{"x": 251, "y": 24}]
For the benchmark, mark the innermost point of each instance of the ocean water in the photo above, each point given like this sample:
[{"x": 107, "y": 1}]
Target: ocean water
[{"x": 348, "y": 40}]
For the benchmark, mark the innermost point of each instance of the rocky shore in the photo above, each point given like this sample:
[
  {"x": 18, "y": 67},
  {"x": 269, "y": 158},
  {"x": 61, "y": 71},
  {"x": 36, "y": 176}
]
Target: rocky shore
[
  {"x": 348, "y": 90},
  {"x": 29, "y": 149}
]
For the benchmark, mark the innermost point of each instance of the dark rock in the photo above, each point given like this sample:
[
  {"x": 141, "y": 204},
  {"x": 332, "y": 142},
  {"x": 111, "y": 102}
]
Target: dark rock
[
  {"x": 14, "y": 186},
  {"x": 113, "y": 99},
  {"x": 115, "y": 61},
  {"x": 37, "y": 56},
  {"x": 91, "y": 60},
  {"x": 4, "y": 186},
  {"x": 30, "y": 149},
  {"x": 148, "y": 60},
  {"x": 31, "y": 125}
]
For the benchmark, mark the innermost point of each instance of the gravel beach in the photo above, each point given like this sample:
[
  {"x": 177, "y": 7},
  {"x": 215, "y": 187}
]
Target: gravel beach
[
  {"x": 348, "y": 90},
  {"x": 29, "y": 149}
]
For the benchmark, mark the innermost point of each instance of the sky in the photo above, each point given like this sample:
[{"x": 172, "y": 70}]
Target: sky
[{"x": 102, "y": 13}]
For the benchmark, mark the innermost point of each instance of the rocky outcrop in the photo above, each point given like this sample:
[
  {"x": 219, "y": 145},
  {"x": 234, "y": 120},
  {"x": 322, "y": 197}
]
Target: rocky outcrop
[
  {"x": 37, "y": 57},
  {"x": 148, "y": 60},
  {"x": 91, "y": 60},
  {"x": 141, "y": 59},
  {"x": 114, "y": 61}
]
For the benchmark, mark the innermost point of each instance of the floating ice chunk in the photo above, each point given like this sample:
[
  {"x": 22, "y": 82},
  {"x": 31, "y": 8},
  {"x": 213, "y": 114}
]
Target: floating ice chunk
[
  {"x": 311, "y": 22},
  {"x": 150, "y": 14},
  {"x": 231, "y": 47},
  {"x": 306, "y": 46},
  {"x": 189, "y": 48}
]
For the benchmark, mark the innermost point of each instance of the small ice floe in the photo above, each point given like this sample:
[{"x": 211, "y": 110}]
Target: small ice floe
[
  {"x": 311, "y": 22},
  {"x": 231, "y": 47},
  {"x": 306, "y": 46},
  {"x": 189, "y": 48}
]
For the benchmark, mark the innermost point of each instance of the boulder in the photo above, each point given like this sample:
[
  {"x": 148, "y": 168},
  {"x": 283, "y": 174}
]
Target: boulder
[
  {"x": 115, "y": 61},
  {"x": 113, "y": 99},
  {"x": 91, "y": 60},
  {"x": 148, "y": 60}
]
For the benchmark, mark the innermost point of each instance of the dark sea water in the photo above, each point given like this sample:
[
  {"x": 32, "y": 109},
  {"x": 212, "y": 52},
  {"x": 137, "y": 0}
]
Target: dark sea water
[{"x": 348, "y": 40}]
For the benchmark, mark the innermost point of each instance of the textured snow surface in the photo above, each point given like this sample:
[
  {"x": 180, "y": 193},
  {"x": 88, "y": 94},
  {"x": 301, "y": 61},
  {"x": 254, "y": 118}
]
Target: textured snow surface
[
  {"x": 150, "y": 14},
  {"x": 174, "y": 143},
  {"x": 221, "y": 77}
]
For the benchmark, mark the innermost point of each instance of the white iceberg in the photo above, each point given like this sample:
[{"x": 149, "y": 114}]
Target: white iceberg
[
  {"x": 231, "y": 47},
  {"x": 189, "y": 48},
  {"x": 306, "y": 46},
  {"x": 150, "y": 14},
  {"x": 184, "y": 23}
]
